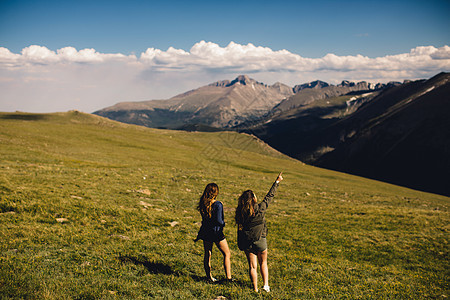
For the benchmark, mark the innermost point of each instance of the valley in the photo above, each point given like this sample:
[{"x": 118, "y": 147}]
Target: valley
[{"x": 331, "y": 126}]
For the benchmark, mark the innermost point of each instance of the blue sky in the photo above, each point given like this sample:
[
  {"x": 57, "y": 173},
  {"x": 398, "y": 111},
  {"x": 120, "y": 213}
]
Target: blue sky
[{"x": 306, "y": 29}]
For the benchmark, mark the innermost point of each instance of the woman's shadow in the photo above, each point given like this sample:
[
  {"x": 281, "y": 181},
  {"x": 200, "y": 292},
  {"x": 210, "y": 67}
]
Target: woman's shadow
[
  {"x": 152, "y": 267},
  {"x": 161, "y": 268}
]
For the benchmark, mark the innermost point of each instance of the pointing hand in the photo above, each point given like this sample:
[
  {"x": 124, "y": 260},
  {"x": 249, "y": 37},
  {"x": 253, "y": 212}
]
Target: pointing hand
[{"x": 279, "y": 178}]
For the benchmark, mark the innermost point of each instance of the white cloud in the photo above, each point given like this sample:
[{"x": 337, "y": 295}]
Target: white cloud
[
  {"x": 7, "y": 58},
  {"x": 41, "y": 55},
  {"x": 38, "y": 54},
  {"x": 441, "y": 53},
  {"x": 207, "y": 55},
  {"x": 39, "y": 79},
  {"x": 249, "y": 58}
]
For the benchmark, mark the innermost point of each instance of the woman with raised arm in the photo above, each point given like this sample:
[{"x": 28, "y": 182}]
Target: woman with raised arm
[
  {"x": 252, "y": 232},
  {"x": 211, "y": 231}
]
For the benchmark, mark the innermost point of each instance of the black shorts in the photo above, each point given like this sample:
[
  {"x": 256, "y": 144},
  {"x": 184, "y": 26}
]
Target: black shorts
[{"x": 210, "y": 236}]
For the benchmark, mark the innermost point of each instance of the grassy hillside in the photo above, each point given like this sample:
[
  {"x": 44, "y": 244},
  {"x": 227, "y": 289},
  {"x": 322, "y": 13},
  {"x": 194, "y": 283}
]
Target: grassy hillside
[{"x": 91, "y": 208}]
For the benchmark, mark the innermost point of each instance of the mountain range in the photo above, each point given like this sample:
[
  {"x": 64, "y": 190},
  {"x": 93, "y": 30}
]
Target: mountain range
[
  {"x": 227, "y": 103},
  {"x": 400, "y": 134},
  {"x": 395, "y": 132},
  {"x": 222, "y": 104}
]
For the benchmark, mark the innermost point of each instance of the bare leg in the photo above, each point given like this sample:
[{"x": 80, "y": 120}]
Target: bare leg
[
  {"x": 223, "y": 247},
  {"x": 262, "y": 260},
  {"x": 207, "y": 246},
  {"x": 252, "y": 268}
]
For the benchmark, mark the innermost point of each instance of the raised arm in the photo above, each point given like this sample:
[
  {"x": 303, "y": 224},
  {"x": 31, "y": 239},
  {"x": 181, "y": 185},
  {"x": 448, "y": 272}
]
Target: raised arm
[{"x": 265, "y": 203}]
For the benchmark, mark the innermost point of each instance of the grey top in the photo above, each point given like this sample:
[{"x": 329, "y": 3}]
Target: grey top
[{"x": 255, "y": 226}]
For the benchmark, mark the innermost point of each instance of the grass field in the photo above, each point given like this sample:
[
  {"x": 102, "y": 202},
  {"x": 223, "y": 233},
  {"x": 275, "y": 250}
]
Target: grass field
[{"x": 95, "y": 209}]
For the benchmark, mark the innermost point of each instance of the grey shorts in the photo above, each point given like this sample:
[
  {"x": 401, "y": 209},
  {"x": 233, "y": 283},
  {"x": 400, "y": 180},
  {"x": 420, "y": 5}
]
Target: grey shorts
[{"x": 258, "y": 246}]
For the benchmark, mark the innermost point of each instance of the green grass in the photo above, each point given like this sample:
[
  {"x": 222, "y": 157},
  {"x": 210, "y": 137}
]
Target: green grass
[{"x": 86, "y": 206}]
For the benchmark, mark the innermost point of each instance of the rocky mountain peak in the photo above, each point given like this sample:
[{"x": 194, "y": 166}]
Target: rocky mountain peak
[
  {"x": 393, "y": 83},
  {"x": 282, "y": 88},
  {"x": 222, "y": 83},
  {"x": 347, "y": 83},
  {"x": 318, "y": 84},
  {"x": 241, "y": 79}
]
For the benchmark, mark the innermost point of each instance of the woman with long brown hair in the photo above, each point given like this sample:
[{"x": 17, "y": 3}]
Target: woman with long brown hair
[
  {"x": 252, "y": 232},
  {"x": 211, "y": 231}
]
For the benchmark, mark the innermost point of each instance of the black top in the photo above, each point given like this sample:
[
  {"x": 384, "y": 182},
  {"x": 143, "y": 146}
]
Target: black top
[
  {"x": 254, "y": 227},
  {"x": 212, "y": 228}
]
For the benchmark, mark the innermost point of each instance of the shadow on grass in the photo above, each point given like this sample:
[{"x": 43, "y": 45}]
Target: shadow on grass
[
  {"x": 161, "y": 268},
  {"x": 152, "y": 267},
  {"x": 26, "y": 117}
]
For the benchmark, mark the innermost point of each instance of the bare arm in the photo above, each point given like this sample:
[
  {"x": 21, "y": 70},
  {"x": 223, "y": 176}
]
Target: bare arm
[{"x": 265, "y": 203}]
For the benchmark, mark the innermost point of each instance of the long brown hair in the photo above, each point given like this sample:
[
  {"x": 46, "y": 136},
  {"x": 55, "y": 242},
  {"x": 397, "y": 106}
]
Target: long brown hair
[
  {"x": 245, "y": 208},
  {"x": 207, "y": 199}
]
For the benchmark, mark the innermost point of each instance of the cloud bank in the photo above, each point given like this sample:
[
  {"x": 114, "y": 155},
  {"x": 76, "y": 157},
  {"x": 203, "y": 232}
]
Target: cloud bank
[{"x": 41, "y": 80}]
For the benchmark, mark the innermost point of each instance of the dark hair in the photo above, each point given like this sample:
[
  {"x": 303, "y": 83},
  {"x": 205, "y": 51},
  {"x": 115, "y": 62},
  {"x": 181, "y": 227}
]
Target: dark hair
[
  {"x": 206, "y": 200},
  {"x": 245, "y": 208}
]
